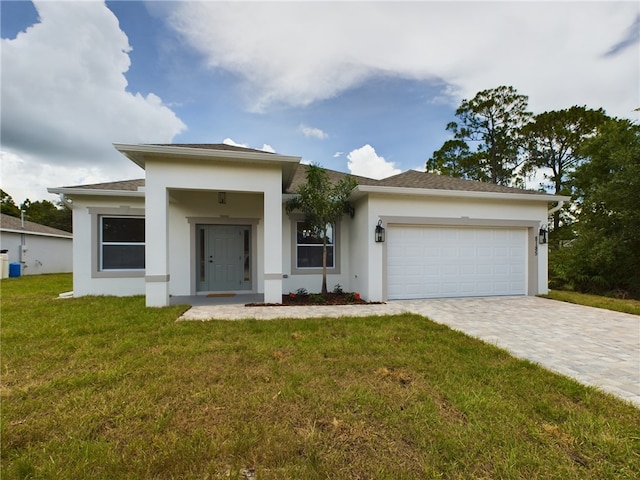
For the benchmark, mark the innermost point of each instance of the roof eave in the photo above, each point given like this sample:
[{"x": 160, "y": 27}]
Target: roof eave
[
  {"x": 362, "y": 190},
  {"x": 137, "y": 154},
  {"x": 70, "y": 191}
]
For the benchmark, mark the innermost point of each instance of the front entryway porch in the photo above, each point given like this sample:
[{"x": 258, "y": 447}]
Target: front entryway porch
[{"x": 216, "y": 299}]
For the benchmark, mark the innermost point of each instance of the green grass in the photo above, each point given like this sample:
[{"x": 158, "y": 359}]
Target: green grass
[
  {"x": 609, "y": 303},
  {"x": 103, "y": 388}
]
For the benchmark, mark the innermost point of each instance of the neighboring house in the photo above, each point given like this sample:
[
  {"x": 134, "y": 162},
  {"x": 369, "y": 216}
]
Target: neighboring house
[
  {"x": 211, "y": 218},
  {"x": 38, "y": 248}
]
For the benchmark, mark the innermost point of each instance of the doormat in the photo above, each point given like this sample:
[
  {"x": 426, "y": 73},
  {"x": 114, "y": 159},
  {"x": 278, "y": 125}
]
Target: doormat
[{"x": 221, "y": 295}]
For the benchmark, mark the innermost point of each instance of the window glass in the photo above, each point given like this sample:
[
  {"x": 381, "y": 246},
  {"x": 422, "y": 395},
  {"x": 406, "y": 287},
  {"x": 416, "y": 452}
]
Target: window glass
[
  {"x": 201, "y": 257},
  {"x": 122, "y": 257},
  {"x": 309, "y": 247},
  {"x": 123, "y": 229},
  {"x": 122, "y": 243},
  {"x": 247, "y": 255}
]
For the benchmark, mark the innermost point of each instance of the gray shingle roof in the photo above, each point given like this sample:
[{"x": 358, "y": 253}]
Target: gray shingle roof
[
  {"x": 125, "y": 185},
  {"x": 7, "y": 222},
  {"x": 211, "y": 146},
  {"x": 408, "y": 179},
  {"x": 300, "y": 177},
  {"x": 414, "y": 179}
]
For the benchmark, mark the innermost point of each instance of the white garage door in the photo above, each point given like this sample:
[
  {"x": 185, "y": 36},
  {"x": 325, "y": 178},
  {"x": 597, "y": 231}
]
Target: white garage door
[{"x": 433, "y": 262}]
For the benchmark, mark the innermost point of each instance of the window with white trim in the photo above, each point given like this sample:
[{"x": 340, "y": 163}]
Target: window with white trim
[
  {"x": 309, "y": 247},
  {"x": 122, "y": 245}
]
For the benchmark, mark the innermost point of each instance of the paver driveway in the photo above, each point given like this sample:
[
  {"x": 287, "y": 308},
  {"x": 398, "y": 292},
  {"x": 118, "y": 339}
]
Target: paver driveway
[{"x": 596, "y": 347}]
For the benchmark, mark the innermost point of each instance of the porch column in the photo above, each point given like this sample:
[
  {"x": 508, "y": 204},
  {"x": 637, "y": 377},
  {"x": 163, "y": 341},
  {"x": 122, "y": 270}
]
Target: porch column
[
  {"x": 273, "y": 244},
  {"x": 156, "y": 245}
]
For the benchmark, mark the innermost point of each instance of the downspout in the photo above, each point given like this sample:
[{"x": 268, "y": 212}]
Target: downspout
[
  {"x": 66, "y": 201},
  {"x": 23, "y": 245},
  {"x": 556, "y": 208}
]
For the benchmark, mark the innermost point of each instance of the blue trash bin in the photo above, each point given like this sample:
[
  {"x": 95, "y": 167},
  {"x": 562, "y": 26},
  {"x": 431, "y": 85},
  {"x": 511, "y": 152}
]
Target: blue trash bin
[{"x": 14, "y": 269}]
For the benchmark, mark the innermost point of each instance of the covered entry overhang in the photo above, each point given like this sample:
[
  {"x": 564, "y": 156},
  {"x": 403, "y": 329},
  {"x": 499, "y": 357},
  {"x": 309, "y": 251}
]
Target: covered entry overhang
[{"x": 176, "y": 177}]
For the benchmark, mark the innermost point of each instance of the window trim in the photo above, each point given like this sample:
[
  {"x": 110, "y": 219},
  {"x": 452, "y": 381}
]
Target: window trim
[
  {"x": 335, "y": 270},
  {"x": 103, "y": 243},
  {"x": 96, "y": 240}
]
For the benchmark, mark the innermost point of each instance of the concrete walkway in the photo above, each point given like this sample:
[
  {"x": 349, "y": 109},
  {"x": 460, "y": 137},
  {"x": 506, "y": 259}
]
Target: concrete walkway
[{"x": 596, "y": 347}]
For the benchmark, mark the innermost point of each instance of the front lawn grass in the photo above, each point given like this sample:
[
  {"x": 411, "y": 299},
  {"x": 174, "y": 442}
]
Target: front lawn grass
[
  {"x": 608, "y": 303},
  {"x": 104, "y": 388}
]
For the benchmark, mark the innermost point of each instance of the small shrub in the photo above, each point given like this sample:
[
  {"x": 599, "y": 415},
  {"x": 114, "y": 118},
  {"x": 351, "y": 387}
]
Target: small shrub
[
  {"x": 302, "y": 292},
  {"x": 318, "y": 298},
  {"x": 338, "y": 289}
]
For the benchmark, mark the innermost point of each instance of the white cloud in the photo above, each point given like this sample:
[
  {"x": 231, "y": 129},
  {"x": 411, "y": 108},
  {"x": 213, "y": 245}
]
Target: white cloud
[
  {"x": 268, "y": 148},
  {"x": 265, "y": 147},
  {"x": 365, "y": 162},
  {"x": 296, "y": 53},
  {"x": 28, "y": 177},
  {"x": 312, "y": 132},
  {"x": 229, "y": 141},
  {"x": 338, "y": 154},
  {"x": 64, "y": 99}
]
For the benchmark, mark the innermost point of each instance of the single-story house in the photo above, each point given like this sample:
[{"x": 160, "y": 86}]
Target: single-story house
[
  {"x": 38, "y": 248},
  {"x": 211, "y": 218}
]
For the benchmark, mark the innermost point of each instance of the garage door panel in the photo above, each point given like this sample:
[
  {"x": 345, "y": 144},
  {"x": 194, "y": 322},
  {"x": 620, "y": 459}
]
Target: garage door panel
[
  {"x": 517, "y": 269},
  {"x": 468, "y": 288},
  {"x": 431, "y": 262},
  {"x": 467, "y": 252},
  {"x": 501, "y": 269},
  {"x": 468, "y": 270},
  {"x": 484, "y": 236}
]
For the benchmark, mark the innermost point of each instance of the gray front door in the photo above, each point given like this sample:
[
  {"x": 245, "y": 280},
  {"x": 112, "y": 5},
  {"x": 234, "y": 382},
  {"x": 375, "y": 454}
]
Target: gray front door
[{"x": 224, "y": 258}]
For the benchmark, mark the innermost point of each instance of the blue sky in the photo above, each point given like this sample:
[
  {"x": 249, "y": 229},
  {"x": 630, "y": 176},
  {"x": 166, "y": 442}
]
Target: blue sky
[{"x": 366, "y": 87}]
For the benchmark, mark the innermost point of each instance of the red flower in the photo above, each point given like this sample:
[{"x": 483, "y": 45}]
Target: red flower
[
  {"x": 357, "y": 296},
  {"x": 291, "y": 294}
]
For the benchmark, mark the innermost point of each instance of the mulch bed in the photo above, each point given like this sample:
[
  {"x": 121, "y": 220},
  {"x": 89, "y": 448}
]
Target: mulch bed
[{"x": 330, "y": 298}]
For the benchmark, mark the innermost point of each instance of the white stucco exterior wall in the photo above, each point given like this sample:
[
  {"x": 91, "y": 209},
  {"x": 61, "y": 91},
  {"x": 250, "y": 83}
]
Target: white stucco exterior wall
[
  {"x": 44, "y": 253},
  {"x": 168, "y": 180},
  {"x": 188, "y": 208},
  {"x": 182, "y": 192},
  {"x": 361, "y": 249},
  {"x": 85, "y": 246},
  {"x": 426, "y": 210},
  {"x": 312, "y": 281}
]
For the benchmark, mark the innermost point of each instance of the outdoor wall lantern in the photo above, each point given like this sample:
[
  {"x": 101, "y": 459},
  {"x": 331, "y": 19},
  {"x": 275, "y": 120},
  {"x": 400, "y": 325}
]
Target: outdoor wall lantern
[
  {"x": 379, "y": 232},
  {"x": 542, "y": 235}
]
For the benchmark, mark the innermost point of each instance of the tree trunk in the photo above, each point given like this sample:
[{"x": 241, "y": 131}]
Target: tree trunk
[{"x": 556, "y": 215}]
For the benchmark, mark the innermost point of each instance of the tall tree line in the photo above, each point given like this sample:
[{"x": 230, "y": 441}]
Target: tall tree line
[
  {"x": 43, "y": 212},
  {"x": 577, "y": 151}
]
